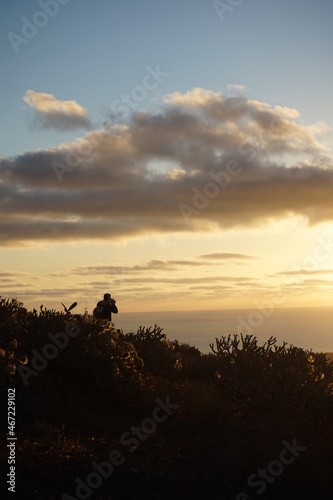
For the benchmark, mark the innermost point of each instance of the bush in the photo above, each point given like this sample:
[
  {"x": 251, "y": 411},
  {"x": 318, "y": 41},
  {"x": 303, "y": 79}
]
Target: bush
[
  {"x": 158, "y": 354},
  {"x": 236, "y": 405},
  {"x": 287, "y": 383},
  {"x": 98, "y": 368}
]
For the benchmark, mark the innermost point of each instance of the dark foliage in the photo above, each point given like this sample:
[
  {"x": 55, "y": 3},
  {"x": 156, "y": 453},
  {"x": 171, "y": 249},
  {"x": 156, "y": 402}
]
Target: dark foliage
[
  {"x": 291, "y": 386},
  {"x": 236, "y": 406}
]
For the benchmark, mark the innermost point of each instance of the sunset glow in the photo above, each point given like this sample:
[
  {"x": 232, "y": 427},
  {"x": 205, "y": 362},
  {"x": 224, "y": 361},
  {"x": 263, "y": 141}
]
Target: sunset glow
[{"x": 179, "y": 169}]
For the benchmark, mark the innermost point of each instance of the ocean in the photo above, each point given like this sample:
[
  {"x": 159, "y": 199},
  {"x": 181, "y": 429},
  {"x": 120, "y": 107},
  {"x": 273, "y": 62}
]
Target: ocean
[{"x": 309, "y": 328}]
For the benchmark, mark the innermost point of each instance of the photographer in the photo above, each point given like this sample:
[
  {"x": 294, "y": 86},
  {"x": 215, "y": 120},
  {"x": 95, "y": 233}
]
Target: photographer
[{"x": 105, "y": 308}]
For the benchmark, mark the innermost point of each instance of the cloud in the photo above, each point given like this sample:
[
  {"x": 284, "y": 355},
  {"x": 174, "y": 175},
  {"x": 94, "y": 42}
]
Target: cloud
[
  {"x": 124, "y": 275},
  {"x": 144, "y": 268},
  {"x": 192, "y": 98},
  {"x": 147, "y": 267},
  {"x": 183, "y": 281},
  {"x": 227, "y": 256},
  {"x": 166, "y": 173},
  {"x": 15, "y": 274},
  {"x": 236, "y": 86},
  {"x": 304, "y": 271},
  {"x": 52, "y": 113},
  {"x": 318, "y": 282}
]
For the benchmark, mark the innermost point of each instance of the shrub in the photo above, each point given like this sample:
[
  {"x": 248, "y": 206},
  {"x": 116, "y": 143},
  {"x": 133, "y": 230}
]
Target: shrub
[
  {"x": 288, "y": 383},
  {"x": 97, "y": 367},
  {"x": 158, "y": 354}
]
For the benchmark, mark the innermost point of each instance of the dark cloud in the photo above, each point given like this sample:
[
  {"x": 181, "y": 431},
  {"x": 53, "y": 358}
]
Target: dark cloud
[{"x": 204, "y": 163}]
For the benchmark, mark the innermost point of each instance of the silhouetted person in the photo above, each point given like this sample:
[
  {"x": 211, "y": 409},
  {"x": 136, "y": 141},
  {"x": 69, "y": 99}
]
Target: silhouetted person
[{"x": 105, "y": 308}]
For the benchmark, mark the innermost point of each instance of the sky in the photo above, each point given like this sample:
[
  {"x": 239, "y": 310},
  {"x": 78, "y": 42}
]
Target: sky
[{"x": 177, "y": 154}]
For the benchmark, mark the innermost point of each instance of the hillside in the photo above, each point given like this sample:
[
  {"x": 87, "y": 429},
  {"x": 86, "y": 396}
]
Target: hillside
[{"x": 111, "y": 415}]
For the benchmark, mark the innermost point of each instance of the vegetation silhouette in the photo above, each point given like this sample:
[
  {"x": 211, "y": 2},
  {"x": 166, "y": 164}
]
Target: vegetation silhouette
[
  {"x": 237, "y": 404},
  {"x": 70, "y": 307}
]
